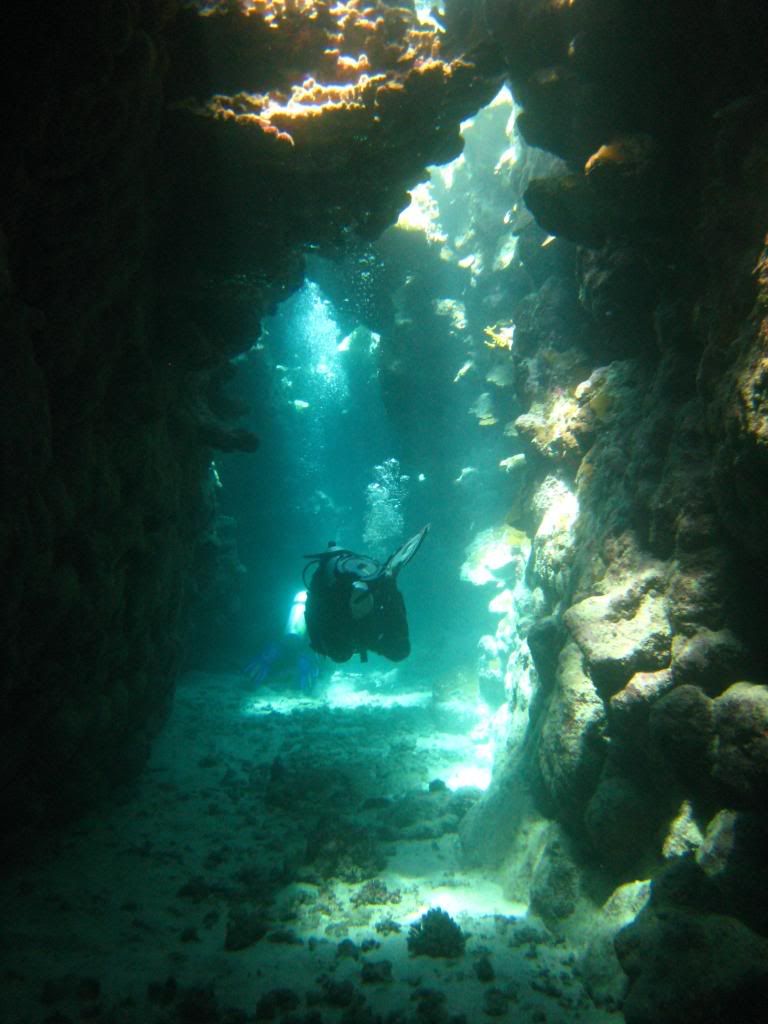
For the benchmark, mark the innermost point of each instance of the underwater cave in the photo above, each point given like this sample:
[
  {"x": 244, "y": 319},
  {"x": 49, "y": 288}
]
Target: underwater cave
[{"x": 385, "y": 533}]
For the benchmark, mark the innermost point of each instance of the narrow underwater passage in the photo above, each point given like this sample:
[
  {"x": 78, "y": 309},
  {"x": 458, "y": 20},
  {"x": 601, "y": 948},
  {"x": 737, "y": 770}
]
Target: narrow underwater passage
[
  {"x": 465, "y": 308},
  {"x": 296, "y": 827},
  {"x": 381, "y": 394}
]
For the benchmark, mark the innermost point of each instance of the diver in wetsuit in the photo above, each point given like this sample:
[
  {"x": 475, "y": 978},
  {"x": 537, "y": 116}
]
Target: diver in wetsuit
[{"x": 354, "y": 606}]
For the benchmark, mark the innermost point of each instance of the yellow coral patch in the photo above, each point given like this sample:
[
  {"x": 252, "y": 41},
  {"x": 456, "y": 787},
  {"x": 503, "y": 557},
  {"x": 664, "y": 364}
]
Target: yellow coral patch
[{"x": 500, "y": 335}]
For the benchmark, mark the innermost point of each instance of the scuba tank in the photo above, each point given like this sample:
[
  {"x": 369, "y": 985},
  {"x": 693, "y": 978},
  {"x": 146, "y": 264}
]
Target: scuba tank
[{"x": 296, "y": 624}]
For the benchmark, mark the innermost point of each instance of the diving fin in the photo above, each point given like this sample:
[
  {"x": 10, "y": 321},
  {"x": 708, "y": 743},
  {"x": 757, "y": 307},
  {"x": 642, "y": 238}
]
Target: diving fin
[{"x": 405, "y": 552}]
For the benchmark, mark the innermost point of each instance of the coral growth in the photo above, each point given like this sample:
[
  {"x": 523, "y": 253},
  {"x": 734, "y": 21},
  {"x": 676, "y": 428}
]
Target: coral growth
[{"x": 436, "y": 934}]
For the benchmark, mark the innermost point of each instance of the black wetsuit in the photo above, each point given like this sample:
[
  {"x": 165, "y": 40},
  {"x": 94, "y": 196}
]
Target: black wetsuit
[{"x": 333, "y": 628}]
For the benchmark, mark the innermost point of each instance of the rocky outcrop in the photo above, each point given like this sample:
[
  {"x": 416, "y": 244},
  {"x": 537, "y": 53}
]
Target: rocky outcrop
[
  {"x": 740, "y": 759},
  {"x": 687, "y": 957},
  {"x": 555, "y": 880},
  {"x": 103, "y": 475},
  {"x": 570, "y": 749},
  {"x": 646, "y": 401},
  {"x": 622, "y": 631},
  {"x": 293, "y": 145},
  {"x": 701, "y": 967}
]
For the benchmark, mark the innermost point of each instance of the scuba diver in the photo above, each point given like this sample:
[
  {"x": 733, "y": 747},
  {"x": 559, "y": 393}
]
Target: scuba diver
[
  {"x": 353, "y": 604},
  {"x": 289, "y": 654}
]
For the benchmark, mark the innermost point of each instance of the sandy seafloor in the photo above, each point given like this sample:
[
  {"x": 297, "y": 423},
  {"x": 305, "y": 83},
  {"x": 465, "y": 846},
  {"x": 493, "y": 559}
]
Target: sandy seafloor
[{"x": 256, "y": 825}]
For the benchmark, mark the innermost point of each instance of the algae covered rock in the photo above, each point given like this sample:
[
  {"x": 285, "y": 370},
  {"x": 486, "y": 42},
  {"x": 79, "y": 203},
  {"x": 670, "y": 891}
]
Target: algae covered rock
[
  {"x": 697, "y": 968},
  {"x": 687, "y": 959},
  {"x": 709, "y": 658},
  {"x": 622, "y": 632},
  {"x": 599, "y": 967},
  {"x": 617, "y": 820},
  {"x": 682, "y": 734},
  {"x": 732, "y": 855},
  {"x": 555, "y": 883},
  {"x": 741, "y": 754},
  {"x": 554, "y": 540},
  {"x": 571, "y": 751},
  {"x": 684, "y": 835},
  {"x": 436, "y": 934},
  {"x": 629, "y": 709}
]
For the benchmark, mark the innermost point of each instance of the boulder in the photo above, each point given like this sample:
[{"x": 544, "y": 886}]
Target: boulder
[
  {"x": 697, "y": 968},
  {"x": 732, "y": 855},
  {"x": 700, "y": 587},
  {"x": 681, "y": 729},
  {"x": 741, "y": 748},
  {"x": 544, "y": 642},
  {"x": 617, "y": 821},
  {"x": 555, "y": 883},
  {"x": 599, "y": 967},
  {"x": 710, "y": 659},
  {"x": 553, "y": 543},
  {"x": 621, "y": 632},
  {"x": 571, "y": 746},
  {"x": 629, "y": 709},
  {"x": 684, "y": 835}
]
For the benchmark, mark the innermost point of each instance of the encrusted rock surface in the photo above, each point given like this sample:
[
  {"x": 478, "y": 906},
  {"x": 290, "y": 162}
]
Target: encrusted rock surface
[
  {"x": 274, "y": 165},
  {"x": 103, "y": 478},
  {"x": 621, "y": 632},
  {"x": 741, "y": 754},
  {"x": 694, "y": 967},
  {"x": 686, "y": 956},
  {"x": 682, "y": 733},
  {"x": 555, "y": 881},
  {"x": 570, "y": 749},
  {"x": 733, "y": 842},
  {"x": 657, "y": 607}
]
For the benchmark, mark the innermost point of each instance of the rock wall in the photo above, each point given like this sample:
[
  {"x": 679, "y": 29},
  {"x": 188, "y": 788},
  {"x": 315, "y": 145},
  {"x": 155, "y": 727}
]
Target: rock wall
[
  {"x": 101, "y": 481},
  {"x": 649, "y": 730},
  {"x": 167, "y": 165}
]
